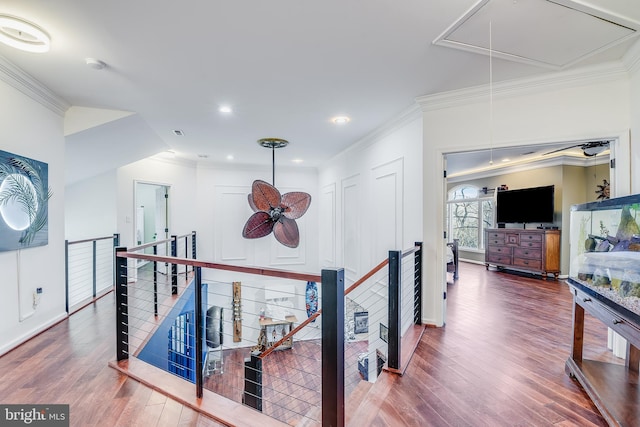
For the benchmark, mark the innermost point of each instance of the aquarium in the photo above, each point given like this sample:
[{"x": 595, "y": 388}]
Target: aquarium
[{"x": 605, "y": 249}]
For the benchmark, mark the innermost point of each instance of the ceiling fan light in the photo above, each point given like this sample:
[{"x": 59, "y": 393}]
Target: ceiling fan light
[
  {"x": 23, "y": 35},
  {"x": 592, "y": 151}
]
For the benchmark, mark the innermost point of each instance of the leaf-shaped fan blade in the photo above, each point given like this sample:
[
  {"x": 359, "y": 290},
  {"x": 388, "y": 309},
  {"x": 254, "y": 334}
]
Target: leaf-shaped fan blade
[
  {"x": 296, "y": 204},
  {"x": 286, "y": 232},
  {"x": 251, "y": 204},
  {"x": 258, "y": 225},
  {"x": 265, "y": 195}
]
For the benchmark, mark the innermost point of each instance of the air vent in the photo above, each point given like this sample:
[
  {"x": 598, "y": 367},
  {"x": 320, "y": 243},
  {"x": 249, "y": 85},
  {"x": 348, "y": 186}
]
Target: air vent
[
  {"x": 203, "y": 156},
  {"x": 178, "y": 132}
]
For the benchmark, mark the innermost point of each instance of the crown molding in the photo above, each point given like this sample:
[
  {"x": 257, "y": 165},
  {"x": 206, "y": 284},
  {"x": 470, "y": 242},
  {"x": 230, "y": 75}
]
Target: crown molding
[
  {"x": 14, "y": 76},
  {"x": 562, "y": 160},
  {"x": 631, "y": 59},
  {"x": 601, "y": 73}
]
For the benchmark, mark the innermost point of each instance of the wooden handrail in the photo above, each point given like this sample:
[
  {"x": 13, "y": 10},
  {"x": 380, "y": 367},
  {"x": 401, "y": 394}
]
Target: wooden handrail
[
  {"x": 311, "y": 318},
  {"x": 283, "y": 274}
]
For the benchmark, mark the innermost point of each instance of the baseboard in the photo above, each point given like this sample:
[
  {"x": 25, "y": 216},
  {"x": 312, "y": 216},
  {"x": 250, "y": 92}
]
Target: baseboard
[{"x": 32, "y": 333}]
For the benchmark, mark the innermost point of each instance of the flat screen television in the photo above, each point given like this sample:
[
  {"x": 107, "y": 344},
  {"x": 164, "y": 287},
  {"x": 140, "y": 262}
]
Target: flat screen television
[{"x": 525, "y": 205}]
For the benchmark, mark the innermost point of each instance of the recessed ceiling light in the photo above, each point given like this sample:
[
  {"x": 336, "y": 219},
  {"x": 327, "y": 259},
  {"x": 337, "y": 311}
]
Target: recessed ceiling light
[
  {"x": 23, "y": 35},
  {"x": 340, "y": 120},
  {"x": 506, "y": 160},
  {"x": 230, "y": 157},
  {"x": 297, "y": 160},
  {"x": 225, "y": 109},
  {"x": 96, "y": 64}
]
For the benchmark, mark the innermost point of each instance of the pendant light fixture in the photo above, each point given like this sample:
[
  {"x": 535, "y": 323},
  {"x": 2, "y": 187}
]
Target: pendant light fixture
[{"x": 273, "y": 211}]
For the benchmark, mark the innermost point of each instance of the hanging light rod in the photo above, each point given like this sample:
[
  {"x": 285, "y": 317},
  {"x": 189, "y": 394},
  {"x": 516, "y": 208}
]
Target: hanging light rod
[
  {"x": 273, "y": 143},
  {"x": 23, "y": 35}
]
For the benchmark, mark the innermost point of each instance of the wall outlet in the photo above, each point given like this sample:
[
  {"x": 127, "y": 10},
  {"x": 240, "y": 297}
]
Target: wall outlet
[{"x": 36, "y": 297}]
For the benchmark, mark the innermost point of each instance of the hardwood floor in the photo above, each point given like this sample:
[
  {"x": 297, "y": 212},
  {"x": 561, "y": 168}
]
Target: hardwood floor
[{"x": 499, "y": 361}]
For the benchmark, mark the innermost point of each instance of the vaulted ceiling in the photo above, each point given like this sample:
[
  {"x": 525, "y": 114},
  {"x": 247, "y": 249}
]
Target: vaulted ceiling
[{"x": 286, "y": 68}]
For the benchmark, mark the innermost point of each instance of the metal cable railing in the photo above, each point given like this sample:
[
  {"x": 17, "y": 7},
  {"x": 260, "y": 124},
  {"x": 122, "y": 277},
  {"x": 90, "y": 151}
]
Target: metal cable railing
[
  {"x": 89, "y": 267},
  {"x": 260, "y": 342}
]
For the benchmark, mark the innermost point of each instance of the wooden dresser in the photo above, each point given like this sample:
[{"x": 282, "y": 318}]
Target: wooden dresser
[{"x": 531, "y": 250}]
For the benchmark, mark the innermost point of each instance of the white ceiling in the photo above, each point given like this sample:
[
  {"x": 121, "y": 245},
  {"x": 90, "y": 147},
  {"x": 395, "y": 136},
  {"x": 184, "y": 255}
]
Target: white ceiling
[{"x": 286, "y": 67}]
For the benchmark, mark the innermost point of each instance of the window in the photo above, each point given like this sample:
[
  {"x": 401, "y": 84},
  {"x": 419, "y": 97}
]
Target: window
[{"x": 469, "y": 212}]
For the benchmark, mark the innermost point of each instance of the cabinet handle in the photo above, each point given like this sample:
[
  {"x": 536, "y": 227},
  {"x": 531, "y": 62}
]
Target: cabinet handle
[
  {"x": 586, "y": 299},
  {"x": 617, "y": 321}
]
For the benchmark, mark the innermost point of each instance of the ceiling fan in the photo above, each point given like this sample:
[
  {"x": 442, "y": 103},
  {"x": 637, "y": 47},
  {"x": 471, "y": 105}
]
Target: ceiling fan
[{"x": 589, "y": 149}]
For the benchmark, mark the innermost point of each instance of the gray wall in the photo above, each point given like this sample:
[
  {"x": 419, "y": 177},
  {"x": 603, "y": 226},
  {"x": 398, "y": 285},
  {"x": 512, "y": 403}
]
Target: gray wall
[{"x": 573, "y": 185}]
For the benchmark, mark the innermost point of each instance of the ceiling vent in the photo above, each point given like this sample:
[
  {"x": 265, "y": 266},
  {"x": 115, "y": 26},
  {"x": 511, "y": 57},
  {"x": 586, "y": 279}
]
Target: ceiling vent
[
  {"x": 548, "y": 33},
  {"x": 178, "y": 132}
]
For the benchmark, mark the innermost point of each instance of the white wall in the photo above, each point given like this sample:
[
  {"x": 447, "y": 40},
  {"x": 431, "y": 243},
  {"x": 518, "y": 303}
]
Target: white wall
[
  {"x": 29, "y": 129},
  {"x": 179, "y": 176},
  {"x": 589, "y": 103},
  {"x": 90, "y": 207},
  {"x": 223, "y": 209},
  {"x": 371, "y": 197}
]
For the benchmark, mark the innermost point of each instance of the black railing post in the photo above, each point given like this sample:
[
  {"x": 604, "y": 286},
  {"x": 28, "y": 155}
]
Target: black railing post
[
  {"x": 417, "y": 285},
  {"x": 186, "y": 254},
  {"x": 395, "y": 315},
  {"x": 95, "y": 268},
  {"x": 193, "y": 245},
  {"x": 252, "y": 395},
  {"x": 174, "y": 267},
  {"x": 199, "y": 315},
  {"x": 333, "y": 347},
  {"x": 66, "y": 276},
  {"x": 122, "y": 315},
  {"x": 155, "y": 282},
  {"x": 116, "y": 243}
]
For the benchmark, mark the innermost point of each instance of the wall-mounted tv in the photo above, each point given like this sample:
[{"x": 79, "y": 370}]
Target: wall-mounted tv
[{"x": 525, "y": 205}]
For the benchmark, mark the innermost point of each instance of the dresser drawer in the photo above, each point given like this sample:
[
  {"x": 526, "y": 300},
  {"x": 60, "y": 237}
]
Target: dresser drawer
[
  {"x": 531, "y": 244},
  {"x": 530, "y": 237},
  {"x": 503, "y": 250},
  {"x": 533, "y": 253},
  {"x": 499, "y": 259},
  {"x": 494, "y": 242},
  {"x": 532, "y": 264},
  {"x": 499, "y": 235}
]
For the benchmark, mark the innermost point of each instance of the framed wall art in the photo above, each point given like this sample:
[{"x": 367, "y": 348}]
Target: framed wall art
[{"x": 24, "y": 200}]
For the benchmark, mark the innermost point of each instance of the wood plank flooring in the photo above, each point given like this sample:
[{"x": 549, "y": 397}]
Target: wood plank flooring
[{"x": 499, "y": 361}]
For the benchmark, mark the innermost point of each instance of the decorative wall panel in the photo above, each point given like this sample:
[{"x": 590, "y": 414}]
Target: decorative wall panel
[{"x": 24, "y": 196}]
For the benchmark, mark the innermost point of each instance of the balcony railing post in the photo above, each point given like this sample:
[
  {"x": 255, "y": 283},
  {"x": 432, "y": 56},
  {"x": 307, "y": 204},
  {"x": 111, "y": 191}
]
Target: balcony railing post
[
  {"x": 95, "y": 268},
  {"x": 66, "y": 276},
  {"x": 174, "y": 267},
  {"x": 395, "y": 315},
  {"x": 116, "y": 243},
  {"x": 333, "y": 347},
  {"x": 199, "y": 315},
  {"x": 193, "y": 244},
  {"x": 122, "y": 314},
  {"x": 252, "y": 395},
  {"x": 417, "y": 285},
  {"x": 155, "y": 282}
]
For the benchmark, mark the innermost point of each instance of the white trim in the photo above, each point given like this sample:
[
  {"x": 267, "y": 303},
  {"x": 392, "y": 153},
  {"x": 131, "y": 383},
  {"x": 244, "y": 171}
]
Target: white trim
[
  {"x": 26, "y": 84},
  {"x": 631, "y": 59},
  {"x": 35, "y": 331},
  {"x": 610, "y": 71}
]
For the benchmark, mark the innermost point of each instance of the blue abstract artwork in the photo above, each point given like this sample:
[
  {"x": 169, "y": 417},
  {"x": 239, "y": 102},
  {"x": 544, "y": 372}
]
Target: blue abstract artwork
[{"x": 24, "y": 197}]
